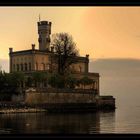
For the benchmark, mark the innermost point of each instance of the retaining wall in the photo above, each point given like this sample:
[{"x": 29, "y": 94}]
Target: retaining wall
[{"x": 45, "y": 98}]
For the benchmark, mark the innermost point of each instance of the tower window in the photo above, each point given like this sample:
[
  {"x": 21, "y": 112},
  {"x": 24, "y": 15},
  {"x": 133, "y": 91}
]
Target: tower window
[
  {"x": 43, "y": 59},
  {"x": 39, "y": 40},
  {"x": 47, "y": 39},
  {"x": 73, "y": 68}
]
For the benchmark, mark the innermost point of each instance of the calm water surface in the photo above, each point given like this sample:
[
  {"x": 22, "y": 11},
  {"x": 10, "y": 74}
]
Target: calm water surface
[
  {"x": 55, "y": 123},
  {"x": 125, "y": 120}
]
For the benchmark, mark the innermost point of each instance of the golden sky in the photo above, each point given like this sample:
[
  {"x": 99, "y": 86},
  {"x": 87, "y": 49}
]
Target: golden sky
[{"x": 101, "y": 32}]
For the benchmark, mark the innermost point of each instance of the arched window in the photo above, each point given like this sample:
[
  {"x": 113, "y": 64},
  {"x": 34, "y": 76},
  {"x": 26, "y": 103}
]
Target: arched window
[
  {"x": 39, "y": 40},
  {"x": 17, "y": 67},
  {"x": 80, "y": 69},
  {"x": 36, "y": 66},
  {"x": 43, "y": 66},
  {"x": 47, "y": 66},
  {"x": 29, "y": 66},
  {"x": 21, "y": 65},
  {"x": 25, "y": 66},
  {"x": 73, "y": 68},
  {"x": 14, "y": 67},
  {"x": 47, "y": 39}
]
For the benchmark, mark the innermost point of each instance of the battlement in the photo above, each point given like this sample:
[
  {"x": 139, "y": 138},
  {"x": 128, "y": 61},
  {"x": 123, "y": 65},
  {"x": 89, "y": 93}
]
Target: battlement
[{"x": 44, "y": 23}]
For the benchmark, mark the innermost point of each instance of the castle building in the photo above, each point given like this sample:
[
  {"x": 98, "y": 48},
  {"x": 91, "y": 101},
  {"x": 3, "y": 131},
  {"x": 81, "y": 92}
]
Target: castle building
[{"x": 32, "y": 60}]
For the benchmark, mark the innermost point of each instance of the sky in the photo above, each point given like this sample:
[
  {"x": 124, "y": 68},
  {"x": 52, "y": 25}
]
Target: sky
[{"x": 101, "y": 32}]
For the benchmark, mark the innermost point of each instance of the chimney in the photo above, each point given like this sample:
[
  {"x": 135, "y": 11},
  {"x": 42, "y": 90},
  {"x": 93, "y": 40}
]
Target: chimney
[
  {"x": 10, "y": 50},
  {"x": 33, "y": 46},
  {"x": 87, "y": 55}
]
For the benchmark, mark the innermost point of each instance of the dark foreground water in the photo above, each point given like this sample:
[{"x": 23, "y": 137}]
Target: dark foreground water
[
  {"x": 56, "y": 123},
  {"x": 83, "y": 123}
]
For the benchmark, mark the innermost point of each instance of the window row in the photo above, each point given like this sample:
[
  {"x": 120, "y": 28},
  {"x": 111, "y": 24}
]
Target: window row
[
  {"x": 42, "y": 66},
  {"x": 22, "y": 67},
  {"x": 28, "y": 67}
]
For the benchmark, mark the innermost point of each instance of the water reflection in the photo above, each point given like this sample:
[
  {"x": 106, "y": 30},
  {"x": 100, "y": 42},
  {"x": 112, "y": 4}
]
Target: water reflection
[
  {"x": 83, "y": 123},
  {"x": 107, "y": 122}
]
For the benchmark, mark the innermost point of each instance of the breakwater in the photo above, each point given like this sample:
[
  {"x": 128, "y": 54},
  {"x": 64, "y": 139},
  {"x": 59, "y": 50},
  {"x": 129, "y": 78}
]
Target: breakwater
[
  {"x": 77, "y": 101},
  {"x": 69, "y": 102}
]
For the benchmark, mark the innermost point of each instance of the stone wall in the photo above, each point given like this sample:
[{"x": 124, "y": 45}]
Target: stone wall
[
  {"x": 106, "y": 102},
  {"x": 66, "y": 102},
  {"x": 45, "y": 98}
]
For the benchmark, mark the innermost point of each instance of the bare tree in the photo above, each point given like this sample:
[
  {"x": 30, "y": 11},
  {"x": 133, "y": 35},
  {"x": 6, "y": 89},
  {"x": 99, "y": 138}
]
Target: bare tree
[{"x": 65, "y": 51}]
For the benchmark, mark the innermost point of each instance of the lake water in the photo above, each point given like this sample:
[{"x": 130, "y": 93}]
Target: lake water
[
  {"x": 83, "y": 123},
  {"x": 124, "y": 120}
]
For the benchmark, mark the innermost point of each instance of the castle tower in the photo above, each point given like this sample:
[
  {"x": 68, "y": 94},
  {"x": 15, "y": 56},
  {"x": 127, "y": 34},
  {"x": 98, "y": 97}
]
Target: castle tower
[{"x": 44, "y": 31}]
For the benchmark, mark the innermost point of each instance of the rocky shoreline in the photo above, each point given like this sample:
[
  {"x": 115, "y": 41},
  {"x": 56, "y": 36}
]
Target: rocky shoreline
[
  {"x": 12, "y": 107},
  {"x": 21, "y": 110},
  {"x": 102, "y": 103}
]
